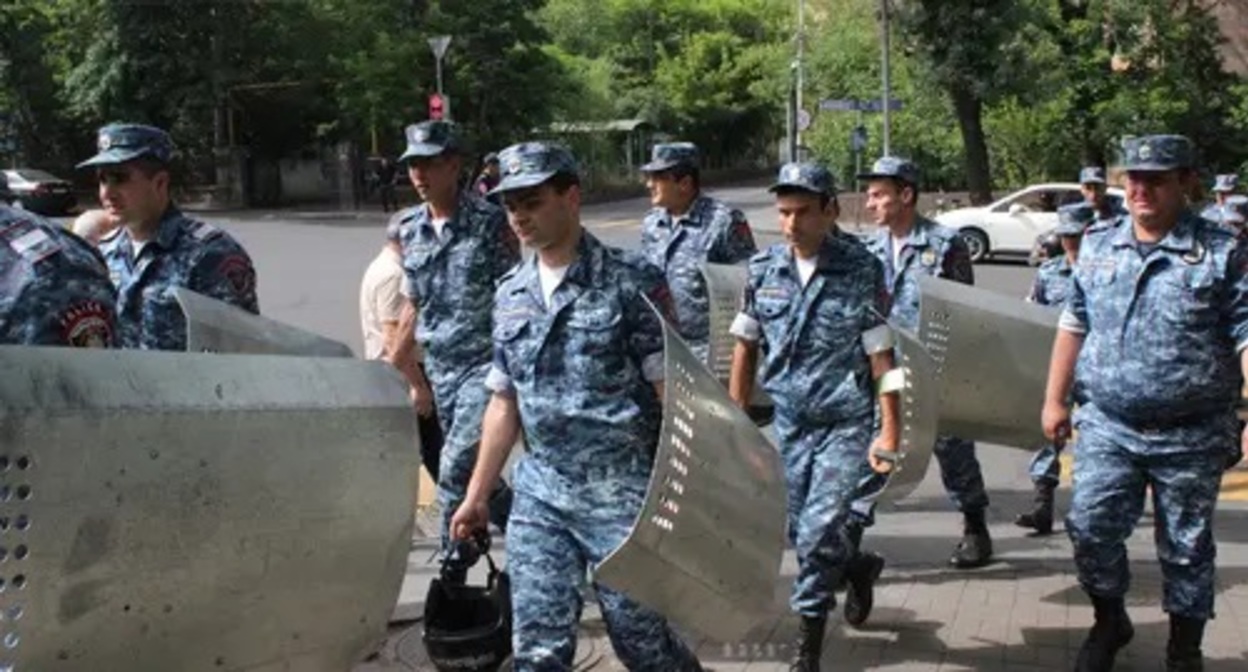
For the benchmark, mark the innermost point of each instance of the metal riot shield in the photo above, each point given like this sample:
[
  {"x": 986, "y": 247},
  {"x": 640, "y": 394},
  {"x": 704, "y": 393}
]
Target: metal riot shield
[
  {"x": 706, "y": 548},
  {"x": 918, "y": 418},
  {"x": 724, "y": 284},
  {"x": 992, "y": 352},
  {"x": 195, "y": 512},
  {"x": 216, "y": 326}
]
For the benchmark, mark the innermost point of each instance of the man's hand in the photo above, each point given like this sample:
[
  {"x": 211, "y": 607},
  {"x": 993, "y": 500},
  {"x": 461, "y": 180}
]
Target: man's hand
[
  {"x": 470, "y": 517},
  {"x": 882, "y": 456},
  {"x": 422, "y": 399},
  {"x": 1056, "y": 421}
]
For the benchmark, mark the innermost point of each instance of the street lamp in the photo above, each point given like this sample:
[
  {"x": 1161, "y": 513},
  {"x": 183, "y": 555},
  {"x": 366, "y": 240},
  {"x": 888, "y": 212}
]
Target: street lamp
[{"x": 885, "y": 79}]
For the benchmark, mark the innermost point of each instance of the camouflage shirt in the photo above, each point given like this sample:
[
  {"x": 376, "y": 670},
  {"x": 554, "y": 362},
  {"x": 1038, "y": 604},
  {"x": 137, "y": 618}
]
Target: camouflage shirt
[
  {"x": 710, "y": 232},
  {"x": 814, "y": 363},
  {"x": 583, "y": 369},
  {"x": 184, "y": 253},
  {"x": 930, "y": 249},
  {"x": 54, "y": 288},
  {"x": 452, "y": 279},
  {"x": 1052, "y": 284},
  {"x": 1163, "y": 324}
]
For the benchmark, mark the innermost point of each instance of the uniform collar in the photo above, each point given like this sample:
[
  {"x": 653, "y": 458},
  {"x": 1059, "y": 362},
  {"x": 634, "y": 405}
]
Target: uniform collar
[
  {"x": 1182, "y": 238},
  {"x": 586, "y": 269},
  {"x": 422, "y": 217},
  {"x": 167, "y": 233},
  {"x": 918, "y": 236},
  {"x": 694, "y": 216}
]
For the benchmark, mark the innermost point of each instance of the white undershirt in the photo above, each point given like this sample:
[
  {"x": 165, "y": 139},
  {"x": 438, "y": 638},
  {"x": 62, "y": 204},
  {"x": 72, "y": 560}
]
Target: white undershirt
[
  {"x": 438, "y": 224},
  {"x": 806, "y": 268},
  {"x": 137, "y": 247},
  {"x": 897, "y": 244},
  {"x": 550, "y": 278}
]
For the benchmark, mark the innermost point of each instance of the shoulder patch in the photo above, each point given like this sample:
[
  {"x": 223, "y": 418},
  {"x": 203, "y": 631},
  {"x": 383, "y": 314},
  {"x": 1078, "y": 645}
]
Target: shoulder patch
[
  {"x": 202, "y": 230},
  {"x": 30, "y": 240},
  {"x": 87, "y": 324}
]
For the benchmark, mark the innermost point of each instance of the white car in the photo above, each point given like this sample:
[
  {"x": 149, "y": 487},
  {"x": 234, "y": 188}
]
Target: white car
[{"x": 1010, "y": 226}]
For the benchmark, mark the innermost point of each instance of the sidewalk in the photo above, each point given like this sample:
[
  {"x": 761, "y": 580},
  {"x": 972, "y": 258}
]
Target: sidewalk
[{"x": 1023, "y": 613}]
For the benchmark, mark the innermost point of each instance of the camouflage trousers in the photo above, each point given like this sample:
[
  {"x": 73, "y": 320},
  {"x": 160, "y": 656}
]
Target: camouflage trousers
[
  {"x": 823, "y": 468},
  {"x": 558, "y": 527},
  {"x": 1044, "y": 466},
  {"x": 461, "y": 409},
  {"x": 1110, "y": 481}
]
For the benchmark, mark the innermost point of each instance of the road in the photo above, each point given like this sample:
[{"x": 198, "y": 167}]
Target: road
[{"x": 310, "y": 262}]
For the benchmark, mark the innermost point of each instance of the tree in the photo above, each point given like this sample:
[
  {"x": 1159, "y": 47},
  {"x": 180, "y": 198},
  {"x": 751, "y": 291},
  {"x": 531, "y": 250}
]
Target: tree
[{"x": 968, "y": 47}]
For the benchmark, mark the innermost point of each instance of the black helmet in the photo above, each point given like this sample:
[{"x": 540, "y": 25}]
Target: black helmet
[{"x": 468, "y": 628}]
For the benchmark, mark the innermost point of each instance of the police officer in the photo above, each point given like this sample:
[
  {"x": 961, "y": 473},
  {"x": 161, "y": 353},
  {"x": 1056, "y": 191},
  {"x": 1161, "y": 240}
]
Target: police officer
[
  {"x": 685, "y": 230},
  {"x": 1093, "y": 185},
  {"x": 911, "y": 246},
  {"x": 456, "y": 246},
  {"x": 1156, "y": 327},
  {"x": 1224, "y": 186},
  {"x": 815, "y": 306},
  {"x": 1235, "y": 214},
  {"x": 578, "y": 367},
  {"x": 1051, "y": 288},
  {"x": 159, "y": 248},
  {"x": 54, "y": 288}
]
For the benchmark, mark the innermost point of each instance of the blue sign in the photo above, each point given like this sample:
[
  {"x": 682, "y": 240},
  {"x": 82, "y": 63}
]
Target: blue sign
[{"x": 855, "y": 105}]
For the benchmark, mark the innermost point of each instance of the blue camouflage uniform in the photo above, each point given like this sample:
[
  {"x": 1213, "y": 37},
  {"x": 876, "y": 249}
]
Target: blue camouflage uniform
[
  {"x": 451, "y": 279},
  {"x": 1163, "y": 326},
  {"x": 54, "y": 288},
  {"x": 934, "y": 250},
  {"x": 818, "y": 373},
  {"x": 183, "y": 253},
  {"x": 710, "y": 231},
  {"x": 583, "y": 371},
  {"x": 1051, "y": 288}
]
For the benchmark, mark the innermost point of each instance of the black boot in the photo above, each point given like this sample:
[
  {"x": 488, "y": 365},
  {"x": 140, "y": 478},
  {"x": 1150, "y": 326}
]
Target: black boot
[
  {"x": 1111, "y": 632},
  {"x": 975, "y": 549},
  {"x": 853, "y": 546},
  {"x": 1183, "y": 652},
  {"x": 809, "y": 645},
  {"x": 862, "y": 574},
  {"x": 1040, "y": 518}
]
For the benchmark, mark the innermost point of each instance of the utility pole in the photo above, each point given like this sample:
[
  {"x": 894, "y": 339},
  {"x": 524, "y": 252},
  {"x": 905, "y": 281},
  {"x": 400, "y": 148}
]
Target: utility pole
[
  {"x": 800, "y": 75},
  {"x": 886, "y": 81}
]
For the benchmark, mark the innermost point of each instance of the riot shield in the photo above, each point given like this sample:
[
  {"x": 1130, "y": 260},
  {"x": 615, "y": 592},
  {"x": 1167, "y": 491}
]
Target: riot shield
[
  {"x": 918, "y": 418},
  {"x": 197, "y": 512},
  {"x": 216, "y": 326},
  {"x": 705, "y": 550},
  {"x": 724, "y": 284},
  {"x": 992, "y": 354}
]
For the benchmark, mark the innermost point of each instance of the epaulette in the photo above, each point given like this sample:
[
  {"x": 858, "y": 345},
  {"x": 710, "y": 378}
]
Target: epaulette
[
  {"x": 28, "y": 239},
  {"x": 201, "y": 231}
]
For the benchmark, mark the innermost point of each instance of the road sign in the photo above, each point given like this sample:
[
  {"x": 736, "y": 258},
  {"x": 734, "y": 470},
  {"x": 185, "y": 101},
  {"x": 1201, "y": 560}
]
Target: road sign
[
  {"x": 803, "y": 120},
  {"x": 839, "y": 105},
  {"x": 858, "y": 138},
  {"x": 875, "y": 105},
  {"x": 437, "y": 106},
  {"x": 439, "y": 44}
]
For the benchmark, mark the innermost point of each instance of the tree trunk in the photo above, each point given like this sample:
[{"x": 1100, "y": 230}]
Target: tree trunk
[{"x": 969, "y": 110}]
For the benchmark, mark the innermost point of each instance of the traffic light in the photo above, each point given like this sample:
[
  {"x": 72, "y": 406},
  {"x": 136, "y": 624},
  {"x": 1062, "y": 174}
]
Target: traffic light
[{"x": 437, "y": 106}]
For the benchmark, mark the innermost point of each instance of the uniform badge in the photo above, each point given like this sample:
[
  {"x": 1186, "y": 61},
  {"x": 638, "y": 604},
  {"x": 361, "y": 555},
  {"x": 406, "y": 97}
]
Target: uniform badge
[
  {"x": 928, "y": 258},
  {"x": 239, "y": 273},
  {"x": 514, "y": 165},
  {"x": 1146, "y": 152},
  {"x": 86, "y": 325},
  {"x": 1195, "y": 255},
  {"x": 105, "y": 142}
]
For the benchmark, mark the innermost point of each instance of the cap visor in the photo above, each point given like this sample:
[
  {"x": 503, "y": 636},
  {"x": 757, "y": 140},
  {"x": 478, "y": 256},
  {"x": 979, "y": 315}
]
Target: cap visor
[
  {"x": 112, "y": 157},
  {"x": 517, "y": 182},
  {"x": 1094, "y": 180},
  {"x": 1151, "y": 168},
  {"x": 423, "y": 150},
  {"x": 658, "y": 166},
  {"x": 793, "y": 185}
]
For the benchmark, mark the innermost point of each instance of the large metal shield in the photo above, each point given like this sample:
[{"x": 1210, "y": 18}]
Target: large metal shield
[
  {"x": 918, "y": 419},
  {"x": 992, "y": 352},
  {"x": 216, "y": 326},
  {"x": 194, "y": 512},
  {"x": 705, "y": 551},
  {"x": 724, "y": 285}
]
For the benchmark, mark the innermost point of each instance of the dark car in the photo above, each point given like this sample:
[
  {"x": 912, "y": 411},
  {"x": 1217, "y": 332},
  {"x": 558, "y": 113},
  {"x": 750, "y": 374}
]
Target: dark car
[{"x": 40, "y": 191}]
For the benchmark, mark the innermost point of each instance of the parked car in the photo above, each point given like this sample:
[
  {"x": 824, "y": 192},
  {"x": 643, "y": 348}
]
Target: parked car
[
  {"x": 40, "y": 191},
  {"x": 1011, "y": 225}
]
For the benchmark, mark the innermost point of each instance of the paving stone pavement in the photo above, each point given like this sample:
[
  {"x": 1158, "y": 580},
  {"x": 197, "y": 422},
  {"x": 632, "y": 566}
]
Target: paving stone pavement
[{"x": 1023, "y": 613}]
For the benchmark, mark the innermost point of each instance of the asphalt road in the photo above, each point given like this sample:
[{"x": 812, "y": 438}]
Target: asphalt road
[{"x": 310, "y": 262}]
